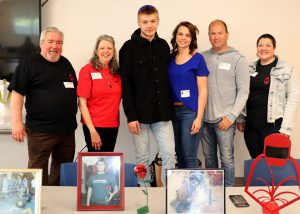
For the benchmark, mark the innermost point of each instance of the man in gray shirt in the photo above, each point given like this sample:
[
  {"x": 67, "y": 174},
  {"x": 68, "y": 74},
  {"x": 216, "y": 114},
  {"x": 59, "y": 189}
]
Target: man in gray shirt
[{"x": 228, "y": 90}]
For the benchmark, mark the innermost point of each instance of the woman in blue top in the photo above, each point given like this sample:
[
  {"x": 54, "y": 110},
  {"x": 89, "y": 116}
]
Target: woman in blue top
[{"x": 188, "y": 80}]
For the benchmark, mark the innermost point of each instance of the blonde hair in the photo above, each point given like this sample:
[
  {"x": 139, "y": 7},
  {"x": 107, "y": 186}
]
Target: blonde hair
[{"x": 113, "y": 64}]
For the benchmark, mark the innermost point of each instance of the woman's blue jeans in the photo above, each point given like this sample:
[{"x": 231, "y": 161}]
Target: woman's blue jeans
[{"x": 186, "y": 145}]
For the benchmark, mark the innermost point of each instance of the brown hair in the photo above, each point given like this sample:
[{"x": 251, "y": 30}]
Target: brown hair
[
  {"x": 193, "y": 31},
  {"x": 267, "y": 36},
  {"x": 147, "y": 9}
]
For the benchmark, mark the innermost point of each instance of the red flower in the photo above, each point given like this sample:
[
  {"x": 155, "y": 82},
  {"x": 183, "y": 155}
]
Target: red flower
[
  {"x": 140, "y": 170},
  {"x": 267, "y": 80}
]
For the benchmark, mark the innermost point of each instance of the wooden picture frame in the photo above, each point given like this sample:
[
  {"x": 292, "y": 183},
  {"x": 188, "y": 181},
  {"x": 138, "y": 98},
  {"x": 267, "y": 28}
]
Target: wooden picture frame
[
  {"x": 195, "y": 191},
  {"x": 20, "y": 190},
  {"x": 100, "y": 179}
]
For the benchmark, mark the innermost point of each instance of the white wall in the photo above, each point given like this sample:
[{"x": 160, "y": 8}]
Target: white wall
[{"x": 83, "y": 21}]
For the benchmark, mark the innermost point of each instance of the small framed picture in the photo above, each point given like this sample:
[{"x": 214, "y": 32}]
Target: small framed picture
[
  {"x": 100, "y": 183},
  {"x": 20, "y": 191},
  {"x": 195, "y": 191}
]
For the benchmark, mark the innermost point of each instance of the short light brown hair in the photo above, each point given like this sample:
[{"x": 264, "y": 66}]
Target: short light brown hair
[
  {"x": 218, "y": 21},
  {"x": 148, "y": 10}
]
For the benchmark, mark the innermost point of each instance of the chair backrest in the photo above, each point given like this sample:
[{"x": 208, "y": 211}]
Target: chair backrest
[
  {"x": 68, "y": 174},
  {"x": 130, "y": 176},
  {"x": 261, "y": 171}
]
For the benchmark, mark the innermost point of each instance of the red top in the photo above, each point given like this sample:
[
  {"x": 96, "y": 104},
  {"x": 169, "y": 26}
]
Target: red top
[{"x": 103, "y": 92}]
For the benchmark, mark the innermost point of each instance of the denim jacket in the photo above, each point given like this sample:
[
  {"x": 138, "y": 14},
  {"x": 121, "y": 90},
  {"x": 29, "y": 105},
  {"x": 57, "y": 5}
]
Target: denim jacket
[{"x": 283, "y": 95}]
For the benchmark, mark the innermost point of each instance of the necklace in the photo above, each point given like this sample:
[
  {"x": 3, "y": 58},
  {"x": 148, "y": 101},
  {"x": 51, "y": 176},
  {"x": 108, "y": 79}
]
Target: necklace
[{"x": 107, "y": 77}]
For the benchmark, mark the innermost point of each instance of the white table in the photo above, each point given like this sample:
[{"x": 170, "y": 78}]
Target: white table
[
  {"x": 63, "y": 200},
  {"x": 255, "y": 207}
]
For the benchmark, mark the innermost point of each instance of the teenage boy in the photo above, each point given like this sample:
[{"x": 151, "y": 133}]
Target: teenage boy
[{"x": 144, "y": 63}]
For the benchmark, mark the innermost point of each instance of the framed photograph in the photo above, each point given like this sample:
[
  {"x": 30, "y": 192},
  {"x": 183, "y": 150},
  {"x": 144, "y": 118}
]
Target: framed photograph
[
  {"x": 20, "y": 191},
  {"x": 100, "y": 183},
  {"x": 195, "y": 191}
]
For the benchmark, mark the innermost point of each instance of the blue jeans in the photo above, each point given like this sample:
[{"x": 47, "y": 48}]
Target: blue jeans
[
  {"x": 164, "y": 136},
  {"x": 186, "y": 145},
  {"x": 211, "y": 137}
]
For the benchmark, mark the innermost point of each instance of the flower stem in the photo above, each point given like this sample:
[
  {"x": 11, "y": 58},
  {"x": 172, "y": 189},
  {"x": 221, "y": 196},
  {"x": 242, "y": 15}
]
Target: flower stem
[{"x": 146, "y": 190}]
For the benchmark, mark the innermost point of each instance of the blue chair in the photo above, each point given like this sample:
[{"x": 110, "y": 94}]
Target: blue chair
[
  {"x": 130, "y": 176},
  {"x": 68, "y": 174},
  {"x": 261, "y": 171}
]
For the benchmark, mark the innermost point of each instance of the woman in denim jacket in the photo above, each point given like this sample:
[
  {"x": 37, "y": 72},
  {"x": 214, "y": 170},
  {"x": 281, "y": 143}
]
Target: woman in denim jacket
[{"x": 273, "y": 99}]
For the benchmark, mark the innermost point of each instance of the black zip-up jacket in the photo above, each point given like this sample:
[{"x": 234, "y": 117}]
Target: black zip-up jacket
[{"x": 144, "y": 74}]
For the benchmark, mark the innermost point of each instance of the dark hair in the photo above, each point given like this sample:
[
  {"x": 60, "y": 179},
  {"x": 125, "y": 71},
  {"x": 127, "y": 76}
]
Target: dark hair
[
  {"x": 113, "y": 64},
  {"x": 267, "y": 36},
  {"x": 147, "y": 9},
  {"x": 104, "y": 162},
  {"x": 220, "y": 22},
  {"x": 101, "y": 160},
  {"x": 193, "y": 31}
]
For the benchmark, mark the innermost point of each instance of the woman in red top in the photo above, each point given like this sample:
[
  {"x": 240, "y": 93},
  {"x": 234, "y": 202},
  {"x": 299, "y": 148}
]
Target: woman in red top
[{"x": 99, "y": 92}]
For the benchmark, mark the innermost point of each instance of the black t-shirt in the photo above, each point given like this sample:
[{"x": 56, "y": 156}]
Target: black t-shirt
[
  {"x": 50, "y": 94},
  {"x": 257, "y": 104}
]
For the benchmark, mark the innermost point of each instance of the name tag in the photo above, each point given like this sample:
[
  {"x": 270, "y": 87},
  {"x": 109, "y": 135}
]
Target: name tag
[
  {"x": 253, "y": 74},
  {"x": 96, "y": 76},
  {"x": 69, "y": 84},
  {"x": 224, "y": 66},
  {"x": 185, "y": 93}
]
